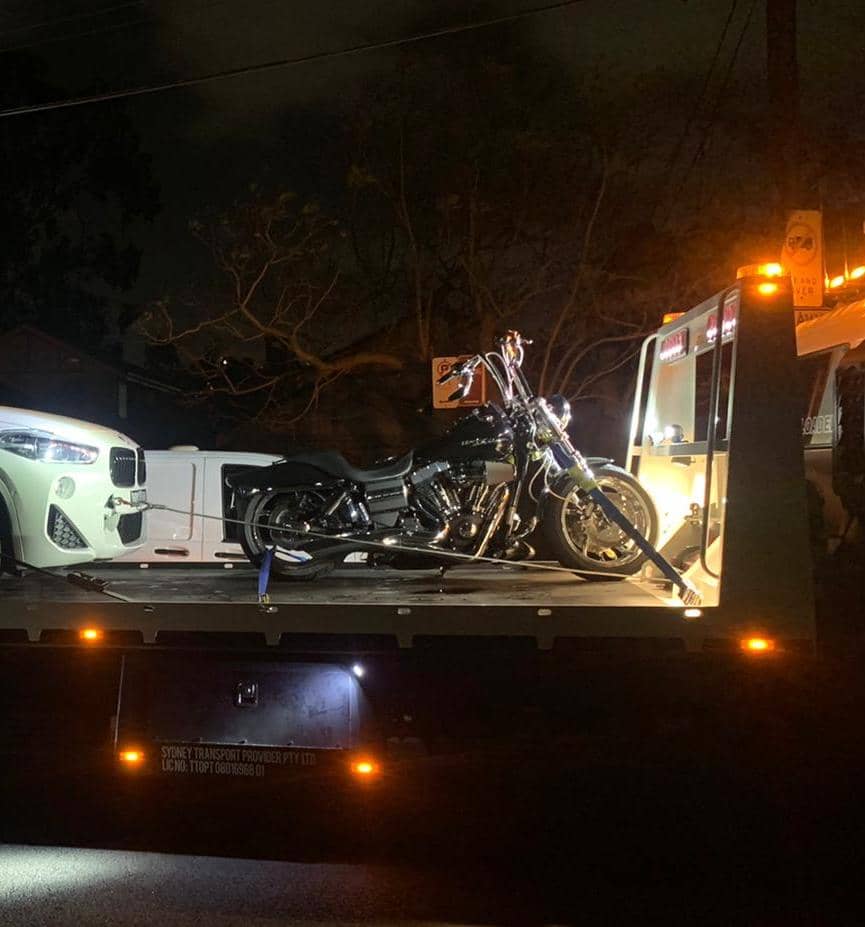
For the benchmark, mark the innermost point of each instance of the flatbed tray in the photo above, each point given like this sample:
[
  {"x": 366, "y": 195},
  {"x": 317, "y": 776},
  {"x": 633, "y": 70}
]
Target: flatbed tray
[{"x": 468, "y": 600}]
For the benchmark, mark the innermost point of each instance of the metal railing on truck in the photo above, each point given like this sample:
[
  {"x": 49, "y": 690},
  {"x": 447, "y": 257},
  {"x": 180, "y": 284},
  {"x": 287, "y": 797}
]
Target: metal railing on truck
[{"x": 715, "y": 439}]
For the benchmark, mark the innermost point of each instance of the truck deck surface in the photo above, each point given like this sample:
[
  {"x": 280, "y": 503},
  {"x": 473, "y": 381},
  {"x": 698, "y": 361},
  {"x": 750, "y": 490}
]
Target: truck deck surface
[
  {"x": 464, "y": 585},
  {"x": 157, "y": 604}
]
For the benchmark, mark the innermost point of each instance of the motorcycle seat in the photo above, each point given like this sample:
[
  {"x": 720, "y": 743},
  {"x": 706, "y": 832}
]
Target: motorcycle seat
[{"x": 336, "y": 465}]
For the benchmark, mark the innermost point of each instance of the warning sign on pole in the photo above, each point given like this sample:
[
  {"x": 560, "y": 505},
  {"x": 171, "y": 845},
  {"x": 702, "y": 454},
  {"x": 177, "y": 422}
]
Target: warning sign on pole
[
  {"x": 477, "y": 395},
  {"x": 802, "y": 255}
]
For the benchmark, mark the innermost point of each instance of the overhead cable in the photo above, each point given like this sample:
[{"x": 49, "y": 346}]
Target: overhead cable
[{"x": 283, "y": 62}]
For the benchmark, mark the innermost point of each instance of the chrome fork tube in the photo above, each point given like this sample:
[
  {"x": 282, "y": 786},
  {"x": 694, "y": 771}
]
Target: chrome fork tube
[{"x": 494, "y": 522}]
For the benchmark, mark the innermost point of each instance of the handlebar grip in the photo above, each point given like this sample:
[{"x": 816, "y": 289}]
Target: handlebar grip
[{"x": 459, "y": 393}]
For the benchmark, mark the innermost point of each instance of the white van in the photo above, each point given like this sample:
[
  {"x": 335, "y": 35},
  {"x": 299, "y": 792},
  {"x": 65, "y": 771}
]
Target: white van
[{"x": 194, "y": 482}]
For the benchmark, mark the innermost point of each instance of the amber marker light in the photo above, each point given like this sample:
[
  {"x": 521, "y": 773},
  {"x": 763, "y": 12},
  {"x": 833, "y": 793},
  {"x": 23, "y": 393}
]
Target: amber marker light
[
  {"x": 90, "y": 635},
  {"x": 773, "y": 269},
  {"x": 835, "y": 282},
  {"x": 767, "y": 288},
  {"x": 671, "y": 317},
  {"x": 758, "y": 645},
  {"x": 365, "y": 768},
  {"x": 131, "y": 757}
]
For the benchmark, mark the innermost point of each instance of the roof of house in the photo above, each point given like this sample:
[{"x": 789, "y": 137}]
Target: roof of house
[{"x": 121, "y": 370}]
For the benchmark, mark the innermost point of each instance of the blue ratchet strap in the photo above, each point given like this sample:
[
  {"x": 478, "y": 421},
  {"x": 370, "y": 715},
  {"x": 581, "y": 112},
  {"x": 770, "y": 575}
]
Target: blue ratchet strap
[
  {"x": 587, "y": 483},
  {"x": 264, "y": 577}
]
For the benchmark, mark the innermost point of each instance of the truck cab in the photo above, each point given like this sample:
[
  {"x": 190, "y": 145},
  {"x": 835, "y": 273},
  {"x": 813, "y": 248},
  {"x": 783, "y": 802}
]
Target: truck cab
[{"x": 832, "y": 380}]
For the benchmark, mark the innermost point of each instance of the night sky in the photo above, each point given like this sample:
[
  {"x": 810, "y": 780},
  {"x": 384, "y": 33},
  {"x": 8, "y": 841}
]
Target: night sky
[
  {"x": 210, "y": 142},
  {"x": 676, "y": 91}
]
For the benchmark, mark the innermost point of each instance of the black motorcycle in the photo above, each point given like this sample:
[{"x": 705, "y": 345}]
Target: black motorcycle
[{"x": 456, "y": 499}]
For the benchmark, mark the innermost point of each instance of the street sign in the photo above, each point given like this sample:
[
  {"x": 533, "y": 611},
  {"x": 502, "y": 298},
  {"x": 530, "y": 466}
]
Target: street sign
[
  {"x": 802, "y": 255},
  {"x": 477, "y": 395},
  {"x": 805, "y": 315}
]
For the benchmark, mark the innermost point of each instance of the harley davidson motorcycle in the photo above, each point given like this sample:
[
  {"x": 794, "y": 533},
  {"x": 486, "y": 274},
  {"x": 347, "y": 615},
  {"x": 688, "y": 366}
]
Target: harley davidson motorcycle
[{"x": 458, "y": 498}]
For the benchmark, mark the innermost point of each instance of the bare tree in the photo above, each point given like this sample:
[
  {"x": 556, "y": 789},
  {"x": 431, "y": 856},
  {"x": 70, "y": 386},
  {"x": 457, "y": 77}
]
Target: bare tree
[
  {"x": 278, "y": 330},
  {"x": 457, "y": 223}
]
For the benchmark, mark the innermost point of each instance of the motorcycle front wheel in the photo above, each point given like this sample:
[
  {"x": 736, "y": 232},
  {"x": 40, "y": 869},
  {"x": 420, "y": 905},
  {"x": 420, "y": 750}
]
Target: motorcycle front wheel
[{"x": 585, "y": 540}]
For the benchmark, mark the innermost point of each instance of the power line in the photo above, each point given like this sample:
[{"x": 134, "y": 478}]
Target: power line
[
  {"x": 710, "y": 125},
  {"x": 284, "y": 62},
  {"x": 698, "y": 104}
]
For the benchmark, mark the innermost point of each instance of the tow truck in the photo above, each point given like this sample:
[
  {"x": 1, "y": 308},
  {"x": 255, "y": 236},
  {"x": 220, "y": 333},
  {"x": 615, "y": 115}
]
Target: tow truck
[{"x": 187, "y": 674}]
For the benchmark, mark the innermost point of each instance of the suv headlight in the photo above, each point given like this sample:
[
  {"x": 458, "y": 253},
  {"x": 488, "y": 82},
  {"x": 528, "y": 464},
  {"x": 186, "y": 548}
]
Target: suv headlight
[{"x": 36, "y": 446}]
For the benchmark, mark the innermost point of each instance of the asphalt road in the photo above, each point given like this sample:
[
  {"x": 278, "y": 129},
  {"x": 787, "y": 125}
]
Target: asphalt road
[
  {"x": 54, "y": 885},
  {"x": 758, "y": 820},
  {"x": 612, "y": 845}
]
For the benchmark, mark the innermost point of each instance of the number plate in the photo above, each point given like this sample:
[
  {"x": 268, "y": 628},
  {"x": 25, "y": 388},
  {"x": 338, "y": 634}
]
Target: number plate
[{"x": 138, "y": 497}]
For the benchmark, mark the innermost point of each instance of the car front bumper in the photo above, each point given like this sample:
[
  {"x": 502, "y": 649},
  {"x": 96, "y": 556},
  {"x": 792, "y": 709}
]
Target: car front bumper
[{"x": 97, "y": 521}]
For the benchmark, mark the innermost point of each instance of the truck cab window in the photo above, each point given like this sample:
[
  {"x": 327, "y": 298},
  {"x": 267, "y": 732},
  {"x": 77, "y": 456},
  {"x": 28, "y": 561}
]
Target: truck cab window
[
  {"x": 703, "y": 393},
  {"x": 818, "y": 400}
]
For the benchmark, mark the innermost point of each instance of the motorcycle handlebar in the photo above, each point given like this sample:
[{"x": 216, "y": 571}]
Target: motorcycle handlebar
[
  {"x": 460, "y": 370},
  {"x": 514, "y": 338}
]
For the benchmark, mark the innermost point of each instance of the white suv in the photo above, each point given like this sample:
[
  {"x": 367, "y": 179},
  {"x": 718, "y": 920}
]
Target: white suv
[{"x": 70, "y": 491}]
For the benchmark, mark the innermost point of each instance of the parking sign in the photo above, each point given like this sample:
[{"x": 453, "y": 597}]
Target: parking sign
[{"x": 477, "y": 395}]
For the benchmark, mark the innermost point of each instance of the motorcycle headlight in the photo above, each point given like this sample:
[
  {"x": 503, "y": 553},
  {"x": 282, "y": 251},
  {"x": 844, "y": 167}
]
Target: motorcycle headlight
[
  {"x": 561, "y": 408},
  {"x": 37, "y": 446}
]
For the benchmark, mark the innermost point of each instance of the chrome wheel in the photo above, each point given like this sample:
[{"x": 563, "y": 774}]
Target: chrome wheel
[{"x": 592, "y": 537}]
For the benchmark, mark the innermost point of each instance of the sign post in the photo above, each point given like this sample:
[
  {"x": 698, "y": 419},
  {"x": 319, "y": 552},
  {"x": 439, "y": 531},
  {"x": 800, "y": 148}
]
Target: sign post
[{"x": 802, "y": 255}]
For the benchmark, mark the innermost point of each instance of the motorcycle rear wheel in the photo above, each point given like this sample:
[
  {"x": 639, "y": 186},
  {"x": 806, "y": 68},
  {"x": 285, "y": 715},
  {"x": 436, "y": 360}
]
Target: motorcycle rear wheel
[
  {"x": 266, "y": 526},
  {"x": 584, "y": 540}
]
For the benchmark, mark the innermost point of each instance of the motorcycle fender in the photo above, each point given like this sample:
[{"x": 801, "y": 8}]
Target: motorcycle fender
[
  {"x": 280, "y": 476},
  {"x": 598, "y": 461}
]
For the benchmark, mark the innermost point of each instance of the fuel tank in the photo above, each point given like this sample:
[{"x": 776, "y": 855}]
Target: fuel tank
[{"x": 483, "y": 434}]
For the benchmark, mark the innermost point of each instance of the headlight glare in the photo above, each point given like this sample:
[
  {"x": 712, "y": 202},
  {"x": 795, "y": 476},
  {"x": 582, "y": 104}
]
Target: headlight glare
[
  {"x": 37, "y": 446},
  {"x": 561, "y": 408}
]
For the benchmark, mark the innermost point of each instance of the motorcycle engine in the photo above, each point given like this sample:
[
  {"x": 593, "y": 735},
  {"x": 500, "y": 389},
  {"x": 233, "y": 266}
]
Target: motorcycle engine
[{"x": 458, "y": 500}]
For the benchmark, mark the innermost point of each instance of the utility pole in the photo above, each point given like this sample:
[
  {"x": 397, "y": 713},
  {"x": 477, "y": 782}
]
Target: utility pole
[{"x": 782, "y": 74}]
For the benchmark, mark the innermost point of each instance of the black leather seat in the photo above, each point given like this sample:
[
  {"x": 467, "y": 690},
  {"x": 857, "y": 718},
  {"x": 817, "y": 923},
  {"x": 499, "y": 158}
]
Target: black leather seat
[{"x": 335, "y": 464}]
